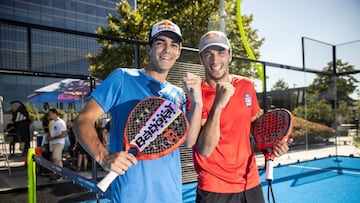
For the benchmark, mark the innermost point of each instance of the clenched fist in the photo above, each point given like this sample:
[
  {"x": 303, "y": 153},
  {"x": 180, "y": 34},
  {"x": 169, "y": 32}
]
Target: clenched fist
[
  {"x": 192, "y": 86},
  {"x": 224, "y": 91}
]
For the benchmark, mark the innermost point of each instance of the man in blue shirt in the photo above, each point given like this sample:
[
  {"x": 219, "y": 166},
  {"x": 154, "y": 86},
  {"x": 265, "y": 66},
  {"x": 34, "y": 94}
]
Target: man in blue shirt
[{"x": 156, "y": 180}]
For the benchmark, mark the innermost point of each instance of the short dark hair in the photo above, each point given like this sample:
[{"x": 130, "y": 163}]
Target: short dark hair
[
  {"x": 170, "y": 35},
  {"x": 54, "y": 111}
]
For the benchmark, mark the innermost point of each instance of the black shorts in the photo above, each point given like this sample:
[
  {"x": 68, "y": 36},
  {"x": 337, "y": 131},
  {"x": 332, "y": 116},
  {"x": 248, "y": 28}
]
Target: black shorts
[{"x": 254, "y": 195}]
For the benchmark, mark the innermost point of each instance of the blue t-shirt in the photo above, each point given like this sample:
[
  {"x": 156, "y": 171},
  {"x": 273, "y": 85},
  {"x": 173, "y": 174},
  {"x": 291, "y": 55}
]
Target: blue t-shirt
[{"x": 157, "y": 180}]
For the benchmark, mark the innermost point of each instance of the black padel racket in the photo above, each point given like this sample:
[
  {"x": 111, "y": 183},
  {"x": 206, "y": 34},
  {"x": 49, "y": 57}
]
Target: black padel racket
[
  {"x": 155, "y": 128},
  {"x": 275, "y": 125}
]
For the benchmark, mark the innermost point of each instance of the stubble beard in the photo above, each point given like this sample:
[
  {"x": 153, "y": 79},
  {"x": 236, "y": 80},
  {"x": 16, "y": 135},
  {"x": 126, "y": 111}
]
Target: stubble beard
[{"x": 217, "y": 77}]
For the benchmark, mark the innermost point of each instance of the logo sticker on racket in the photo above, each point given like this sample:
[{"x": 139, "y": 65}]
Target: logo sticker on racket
[{"x": 155, "y": 128}]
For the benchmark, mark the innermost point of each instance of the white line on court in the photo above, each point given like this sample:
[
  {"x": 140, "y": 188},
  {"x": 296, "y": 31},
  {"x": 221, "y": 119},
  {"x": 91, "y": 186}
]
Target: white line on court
[{"x": 324, "y": 169}]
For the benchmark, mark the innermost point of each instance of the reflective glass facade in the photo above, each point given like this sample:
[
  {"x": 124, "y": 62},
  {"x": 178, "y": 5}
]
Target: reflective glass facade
[
  {"x": 38, "y": 50},
  {"x": 80, "y": 15}
]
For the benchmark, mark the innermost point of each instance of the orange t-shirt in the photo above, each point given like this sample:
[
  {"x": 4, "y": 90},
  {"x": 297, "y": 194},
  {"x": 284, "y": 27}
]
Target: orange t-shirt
[{"x": 232, "y": 166}]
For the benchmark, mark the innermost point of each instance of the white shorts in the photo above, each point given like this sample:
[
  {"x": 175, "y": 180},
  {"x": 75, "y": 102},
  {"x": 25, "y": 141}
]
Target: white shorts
[{"x": 57, "y": 150}]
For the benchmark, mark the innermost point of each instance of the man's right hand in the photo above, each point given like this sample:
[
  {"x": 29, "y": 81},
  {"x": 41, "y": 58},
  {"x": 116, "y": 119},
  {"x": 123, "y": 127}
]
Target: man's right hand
[{"x": 119, "y": 162}]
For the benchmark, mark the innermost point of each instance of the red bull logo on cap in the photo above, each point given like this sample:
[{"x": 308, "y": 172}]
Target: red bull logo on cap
[{"x": 166, "y": 26}]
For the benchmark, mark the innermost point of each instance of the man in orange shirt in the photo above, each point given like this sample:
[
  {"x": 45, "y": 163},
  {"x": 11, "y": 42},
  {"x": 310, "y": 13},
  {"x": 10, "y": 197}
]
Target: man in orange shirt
[{"x": 222, "y": 152}]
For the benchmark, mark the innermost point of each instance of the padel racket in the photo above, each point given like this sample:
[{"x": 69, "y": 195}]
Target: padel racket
[
  {"x": 275, "y": 125},
  {"x": 155, "y": 128}
]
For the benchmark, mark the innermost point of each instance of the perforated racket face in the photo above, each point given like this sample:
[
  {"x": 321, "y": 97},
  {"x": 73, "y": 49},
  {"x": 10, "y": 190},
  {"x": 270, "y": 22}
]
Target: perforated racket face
[
  {"x": 155, "y": 127},
  {"x": 273, "y": 125}
]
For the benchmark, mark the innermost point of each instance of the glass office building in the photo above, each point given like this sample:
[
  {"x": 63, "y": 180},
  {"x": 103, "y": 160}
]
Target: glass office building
[
  {"x": 28, "y": 49},
  {"x": 80, "y": 15}
]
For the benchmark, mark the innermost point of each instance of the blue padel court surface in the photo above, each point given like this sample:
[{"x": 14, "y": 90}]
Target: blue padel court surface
[{"x": 327, "y": 180}]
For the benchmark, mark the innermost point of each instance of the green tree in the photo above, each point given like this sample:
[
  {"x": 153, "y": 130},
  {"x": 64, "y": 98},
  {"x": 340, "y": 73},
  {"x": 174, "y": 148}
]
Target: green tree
[
  {"x": 319, "y": 112},
  {"x": 323, "y": 85},
  {"x": 321, "y": 96},
  {"x": 280, "y": 85},
  {"x": 33, "y": 111},
  {"x": 322, "y": 112},
  {"x": 194, "y": 17},
  {"x": 344, "y": 112}
]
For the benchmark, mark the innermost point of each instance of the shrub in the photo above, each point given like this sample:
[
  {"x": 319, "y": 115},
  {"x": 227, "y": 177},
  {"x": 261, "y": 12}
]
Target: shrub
[{"x": 316, "y": 133}]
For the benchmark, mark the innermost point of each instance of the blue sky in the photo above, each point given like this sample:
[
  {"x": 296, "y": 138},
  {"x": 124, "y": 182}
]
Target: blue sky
[{"x": 283, "y": 22}]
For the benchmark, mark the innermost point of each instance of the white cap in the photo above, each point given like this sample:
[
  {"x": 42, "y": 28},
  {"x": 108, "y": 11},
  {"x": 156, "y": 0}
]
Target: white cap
[
  {"x": 214, "y": 38},
  {"x": 165, "y": 27}
]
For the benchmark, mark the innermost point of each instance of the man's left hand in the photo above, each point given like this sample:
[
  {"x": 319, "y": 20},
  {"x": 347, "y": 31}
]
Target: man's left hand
[{"x": 281, "y": 148}]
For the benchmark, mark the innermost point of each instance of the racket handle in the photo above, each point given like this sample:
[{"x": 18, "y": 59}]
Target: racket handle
[
  {"x": 269, "y": 170},
  {"x": 105, "y": 182}
]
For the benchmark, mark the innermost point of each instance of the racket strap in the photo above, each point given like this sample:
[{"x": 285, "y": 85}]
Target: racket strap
[{"x": 270, "y": 191}]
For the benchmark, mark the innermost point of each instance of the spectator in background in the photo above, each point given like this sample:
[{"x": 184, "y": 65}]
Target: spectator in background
[
  {"x": 45, "y": 146},
  {"x": 58, "y": 132},
  {"x": 105, "y": 135},
  {"x": 72, "y": 140},
  {"x": 11, "y": 135},
  {"x": 82, "y": 157},
  {"x": 69, "y": 126},
  {"x": 22, "y": 122}
]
